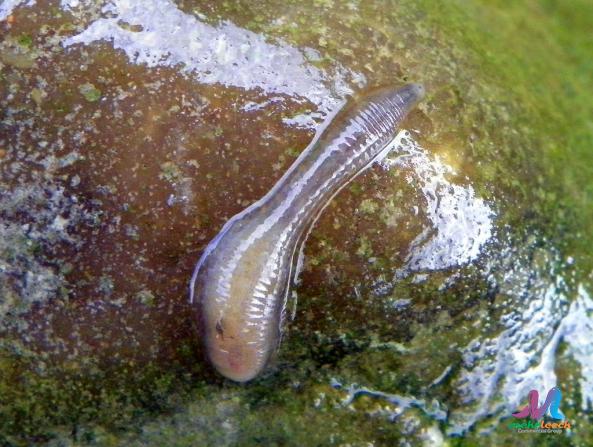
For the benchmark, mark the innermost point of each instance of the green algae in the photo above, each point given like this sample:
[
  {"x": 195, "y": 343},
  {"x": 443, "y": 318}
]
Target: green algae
[
  {"x": 90, "y": 92},
  {"x": 502, "y": 107},
  {"x": 25, "y": 41}
]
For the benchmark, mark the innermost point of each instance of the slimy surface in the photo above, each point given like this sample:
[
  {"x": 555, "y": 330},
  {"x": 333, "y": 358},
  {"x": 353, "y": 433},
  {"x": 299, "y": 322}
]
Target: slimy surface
[
  {"x": 438, "y": 289},
  {"x": 240, "y": 285}
]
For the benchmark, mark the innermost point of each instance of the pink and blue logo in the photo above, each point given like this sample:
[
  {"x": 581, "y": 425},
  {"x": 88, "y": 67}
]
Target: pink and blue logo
[{"x": 535, "y": 412}]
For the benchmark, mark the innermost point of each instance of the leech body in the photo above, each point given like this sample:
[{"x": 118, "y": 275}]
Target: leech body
[{"x": 240, "y": 285}]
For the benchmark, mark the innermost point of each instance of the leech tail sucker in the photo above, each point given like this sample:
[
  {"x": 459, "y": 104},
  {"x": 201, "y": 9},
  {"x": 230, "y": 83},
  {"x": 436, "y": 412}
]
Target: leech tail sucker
[{"x": 242, "y": 281}]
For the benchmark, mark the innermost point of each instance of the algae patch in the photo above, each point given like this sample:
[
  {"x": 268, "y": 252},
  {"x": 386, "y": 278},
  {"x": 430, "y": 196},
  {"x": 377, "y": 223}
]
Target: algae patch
[{"x": 90, "y": 92}]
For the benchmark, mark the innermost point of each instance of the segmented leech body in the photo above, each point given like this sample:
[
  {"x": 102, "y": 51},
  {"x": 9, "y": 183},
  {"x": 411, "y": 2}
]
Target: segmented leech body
[{"x": 240, "y": 285}]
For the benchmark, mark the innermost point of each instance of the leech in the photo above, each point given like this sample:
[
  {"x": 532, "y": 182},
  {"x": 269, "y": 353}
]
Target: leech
[{"x": 245, "y": 274}]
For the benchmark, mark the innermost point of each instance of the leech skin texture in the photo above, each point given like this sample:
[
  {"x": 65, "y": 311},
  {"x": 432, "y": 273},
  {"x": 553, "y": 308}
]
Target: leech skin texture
[{"x": 241, "y": 283}]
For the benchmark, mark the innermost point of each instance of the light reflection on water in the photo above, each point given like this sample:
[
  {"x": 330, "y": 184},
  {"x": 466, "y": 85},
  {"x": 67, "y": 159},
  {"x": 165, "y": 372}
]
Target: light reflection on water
[
  {"x": 539, "y": 311},
  {"x": 499, "y": 371},
  {"x": 6, "y": 7},
  {"x": 459, "y": 222},
  {"x": 223, "y": 54}
]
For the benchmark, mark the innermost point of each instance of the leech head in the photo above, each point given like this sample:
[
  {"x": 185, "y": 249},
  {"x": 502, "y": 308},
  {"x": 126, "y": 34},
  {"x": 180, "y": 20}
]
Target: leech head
[
  {"x": 404, "y": 99},
  {"x": 411, "y": 94}
]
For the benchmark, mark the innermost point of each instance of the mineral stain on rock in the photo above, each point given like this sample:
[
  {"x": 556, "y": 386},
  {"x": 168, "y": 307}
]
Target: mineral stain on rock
[{"x": 108, "y": 195}]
